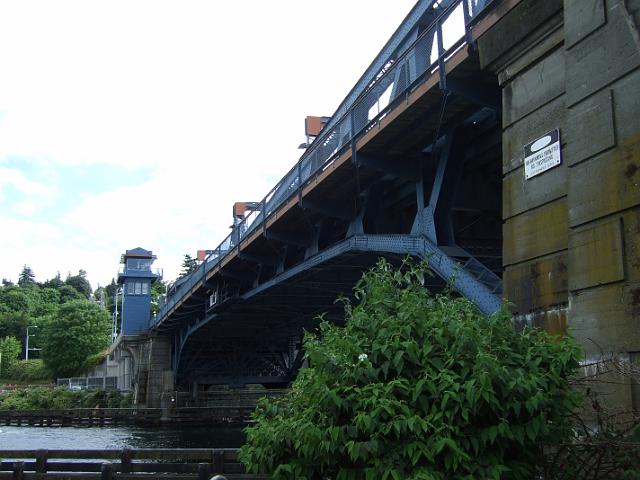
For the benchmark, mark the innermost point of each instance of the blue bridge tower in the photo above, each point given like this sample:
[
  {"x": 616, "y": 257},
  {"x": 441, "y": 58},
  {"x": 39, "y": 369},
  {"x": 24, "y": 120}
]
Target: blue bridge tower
[{"x": 136, "y": 276}]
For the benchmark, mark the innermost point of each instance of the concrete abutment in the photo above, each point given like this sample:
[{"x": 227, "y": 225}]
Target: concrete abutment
[{"x": 571, "y": 235}]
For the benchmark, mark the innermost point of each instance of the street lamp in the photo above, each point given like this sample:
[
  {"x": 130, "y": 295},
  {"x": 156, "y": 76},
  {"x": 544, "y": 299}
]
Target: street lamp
[
  {"x": 26, "y": 349},
  {"x": 114, "y": 326}
]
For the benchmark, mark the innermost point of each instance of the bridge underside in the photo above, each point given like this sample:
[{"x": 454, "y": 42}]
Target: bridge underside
[
  {"x": 401, "y": 197},
  {"x": 423, "y": 179},
  {"x": 256, "y": 337}
]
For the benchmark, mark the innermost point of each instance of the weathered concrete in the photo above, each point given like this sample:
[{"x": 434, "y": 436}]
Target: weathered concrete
[
  {"x": 142, "y": 364},
  {"x": 572, "y": 234},
  {"x": 155, "y": 372}
]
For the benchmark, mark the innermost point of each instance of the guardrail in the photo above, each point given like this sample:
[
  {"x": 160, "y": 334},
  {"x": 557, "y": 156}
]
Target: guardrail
[
  {"x": 227, "y": 414},
  {"x": 176, "y": 464},
  {"x": 396, "y": 78},
  {"x": 81, "y": 417},
  {"x": 89, "y": 383},
  {"x": 123, "y": 269}
]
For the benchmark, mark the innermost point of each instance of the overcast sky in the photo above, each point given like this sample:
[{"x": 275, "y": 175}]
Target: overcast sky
[{"x": 140, "y": 123}]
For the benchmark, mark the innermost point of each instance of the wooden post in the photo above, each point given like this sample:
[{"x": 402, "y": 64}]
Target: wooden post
[
  {"x": 218, "y": 461},
  {"x": 106, "y": 471},
  {"x": 126, "y": 461},
  {"x": 41, "y": 461},
  {"x": 18, "y": 471},
  {"x": 203, "y": 471}
]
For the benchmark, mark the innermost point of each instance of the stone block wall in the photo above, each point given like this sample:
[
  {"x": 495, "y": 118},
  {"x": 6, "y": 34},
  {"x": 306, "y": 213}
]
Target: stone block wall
[{"x": 571, "y": 250}]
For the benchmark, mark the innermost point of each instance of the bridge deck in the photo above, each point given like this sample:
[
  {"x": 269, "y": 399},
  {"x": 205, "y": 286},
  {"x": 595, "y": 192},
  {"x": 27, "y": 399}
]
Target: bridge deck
[
  {"x": 408, "y": 123},
  {"x": 409, "y": 166}
]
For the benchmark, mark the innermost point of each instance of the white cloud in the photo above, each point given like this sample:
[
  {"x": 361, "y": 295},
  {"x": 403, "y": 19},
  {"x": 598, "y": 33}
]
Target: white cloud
[
  {"x": 29, "y": 196},
  {"x": 210, "y": 95},
  {"x": 12, "y": 177}
]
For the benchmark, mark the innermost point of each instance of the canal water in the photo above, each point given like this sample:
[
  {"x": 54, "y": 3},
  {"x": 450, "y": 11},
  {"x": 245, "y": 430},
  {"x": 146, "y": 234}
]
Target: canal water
[{"x": 119, "y": 437}]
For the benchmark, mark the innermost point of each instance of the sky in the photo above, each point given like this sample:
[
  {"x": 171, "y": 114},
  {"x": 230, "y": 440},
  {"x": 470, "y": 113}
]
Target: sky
[{"x": 139, "y": 123}]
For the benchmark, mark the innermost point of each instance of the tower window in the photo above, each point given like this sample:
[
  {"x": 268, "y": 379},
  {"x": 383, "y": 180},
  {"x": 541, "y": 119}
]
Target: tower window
[
  {"x": 138, "y": 288},
  {"x": 138, "y": 263}
]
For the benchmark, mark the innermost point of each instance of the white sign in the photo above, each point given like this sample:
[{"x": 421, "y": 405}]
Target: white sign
[{"x": 542, "y": 154}]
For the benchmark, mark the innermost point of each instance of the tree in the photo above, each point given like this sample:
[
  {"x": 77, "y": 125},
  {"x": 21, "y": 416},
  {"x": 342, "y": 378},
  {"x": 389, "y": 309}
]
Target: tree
[
  {"x": 79, "y": 330},
  {"x": 13, "y": 324},
  {"x": 416, "y": 386},
  {"x": 10, "y": 348},
  {"x": 27, "y": 277},
  {"x": 67, "y": 294},
  {"x": 158, "y": 289},
  {"x": 55, "y": 282},
  {"x": 189, "y": 265},
  {"x": 6, "y": 282},
  {"x": 80, "y": 283},
  {"x": 100, "y": 296}
]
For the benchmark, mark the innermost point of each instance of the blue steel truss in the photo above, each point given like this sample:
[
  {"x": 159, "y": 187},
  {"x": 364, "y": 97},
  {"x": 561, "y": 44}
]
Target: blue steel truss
[
  {"x": 414, "y": 53},
  {"x": 471, "y": 278}
]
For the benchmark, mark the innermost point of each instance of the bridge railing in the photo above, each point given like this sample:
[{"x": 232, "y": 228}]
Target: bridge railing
[{"x": 400, "y": 74}]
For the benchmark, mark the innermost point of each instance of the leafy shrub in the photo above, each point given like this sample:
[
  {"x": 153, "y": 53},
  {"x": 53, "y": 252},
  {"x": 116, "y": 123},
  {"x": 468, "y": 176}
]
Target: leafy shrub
[
  {"x": 42, "y": 398},
  {"x": 10, "y": 348},
  {"x": 28, "y": 371},
  {"x": 416, "y": 386}
]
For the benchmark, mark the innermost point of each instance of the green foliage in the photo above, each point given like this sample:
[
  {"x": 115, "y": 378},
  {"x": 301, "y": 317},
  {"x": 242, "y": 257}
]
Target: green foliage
[
  {"x": 56, "y": 282},
  {"x": 158, "y": 289},
  {"x": 32, "y": 304},
  {"x": 68, "y": 293},
  {"x": 13, "y": 324},
  {"x": 10, "y": 348},
  {"x": 62, "y": 398},
  {"x": 79, "y": 330},
  {"x": 26, "y": 277},
  {"x": 28, "y": 371},
  {"x": 80, "y": 284},
  {"x": 189, "y": 265},
  {"x": 416, "y": 386}
]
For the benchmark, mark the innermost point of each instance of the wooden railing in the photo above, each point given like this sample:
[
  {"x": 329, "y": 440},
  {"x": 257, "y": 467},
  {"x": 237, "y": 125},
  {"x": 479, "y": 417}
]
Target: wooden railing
[
  {"x": 174, "y": 464},
  {"x": 121, "y": 416},
  {"x": 80, "y": 416}
]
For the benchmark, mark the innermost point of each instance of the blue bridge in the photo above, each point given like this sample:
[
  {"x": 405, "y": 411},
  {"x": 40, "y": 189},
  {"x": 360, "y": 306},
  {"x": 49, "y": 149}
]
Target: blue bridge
[
  {"x": 499, "y": 140},
  {"x": 409, "y": 164}
]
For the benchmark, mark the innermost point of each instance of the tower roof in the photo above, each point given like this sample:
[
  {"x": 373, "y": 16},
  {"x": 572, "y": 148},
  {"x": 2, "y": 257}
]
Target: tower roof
[{"x": 139, "y": 253}]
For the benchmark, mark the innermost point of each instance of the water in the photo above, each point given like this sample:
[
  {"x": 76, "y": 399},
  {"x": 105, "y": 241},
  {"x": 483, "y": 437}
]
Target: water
[{"x": 119, "y": 437}]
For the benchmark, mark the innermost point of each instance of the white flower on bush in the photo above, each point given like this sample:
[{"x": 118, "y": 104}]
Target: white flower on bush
[{"x": 362, "y": 357}]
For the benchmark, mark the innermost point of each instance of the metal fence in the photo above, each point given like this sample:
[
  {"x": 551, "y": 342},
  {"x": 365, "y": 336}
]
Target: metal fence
[
  {"x": 396, "y": 78},
  {"x": 90, "y": 383}
]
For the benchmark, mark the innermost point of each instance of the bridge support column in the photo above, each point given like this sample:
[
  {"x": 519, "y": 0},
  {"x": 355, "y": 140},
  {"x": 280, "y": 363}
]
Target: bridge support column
[
  {"x": 155, "y": 376},
  {"x": 571, "y": 243}
]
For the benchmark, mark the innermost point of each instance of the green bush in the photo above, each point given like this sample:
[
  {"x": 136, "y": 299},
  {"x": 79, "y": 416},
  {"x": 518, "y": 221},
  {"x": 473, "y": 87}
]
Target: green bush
[
  {"x": 28, "y": 371},
  {"x": 10, "y": 348},
  {"x": 43, "y": 398},
  {"x": 416, "y": 386}
]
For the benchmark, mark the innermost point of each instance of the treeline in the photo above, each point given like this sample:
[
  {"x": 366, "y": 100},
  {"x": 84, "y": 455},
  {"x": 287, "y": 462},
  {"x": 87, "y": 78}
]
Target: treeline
[{"x": 68, "y": 325}]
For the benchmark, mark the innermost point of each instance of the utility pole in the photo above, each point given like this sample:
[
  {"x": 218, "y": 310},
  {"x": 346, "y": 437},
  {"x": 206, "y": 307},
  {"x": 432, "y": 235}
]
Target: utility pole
[{"x": 26, "y": 346}]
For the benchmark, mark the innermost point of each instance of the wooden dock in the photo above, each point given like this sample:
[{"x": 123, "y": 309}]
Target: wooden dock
[
  {"x": 91, "y": 417},
  {"x": 174, "y": 464}
]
